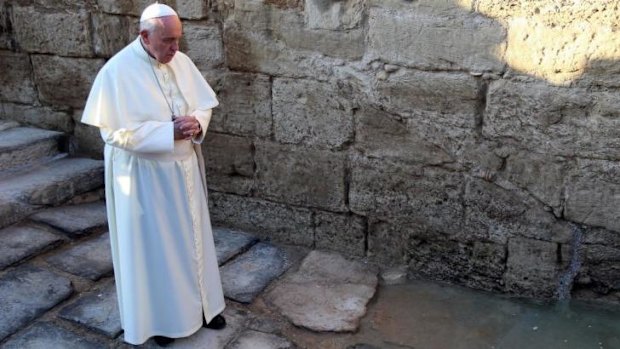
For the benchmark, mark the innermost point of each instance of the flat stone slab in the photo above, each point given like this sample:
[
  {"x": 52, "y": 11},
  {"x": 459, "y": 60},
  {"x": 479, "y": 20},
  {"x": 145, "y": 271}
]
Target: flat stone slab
[
  {"x": 97, "y": 311},
  {"x": 75, "y": 220},
  {"x": 91, "y": 259},
  {"x": 22, "y": 241},
  {"x": 26, "y": 293},
  {"x": 47, "y": 335},
  {"x": 327, "y": 293},
  {"x": 6, "y": 124},
  {"x": 248, "y": 274},
  {"x": 23, "y": 145},
  {"x": 206, "y": 338},
  {"x": 229, "y": 243},
  {"x": 260, "y": 340}
]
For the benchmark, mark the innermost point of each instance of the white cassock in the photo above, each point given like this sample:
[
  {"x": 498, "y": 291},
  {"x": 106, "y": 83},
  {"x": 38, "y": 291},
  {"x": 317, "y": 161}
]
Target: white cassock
[{"x": 162, "y": 245}]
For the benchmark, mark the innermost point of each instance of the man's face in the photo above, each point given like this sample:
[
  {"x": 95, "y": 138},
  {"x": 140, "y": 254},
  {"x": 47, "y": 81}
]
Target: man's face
[{"x": 163, "y": 42}]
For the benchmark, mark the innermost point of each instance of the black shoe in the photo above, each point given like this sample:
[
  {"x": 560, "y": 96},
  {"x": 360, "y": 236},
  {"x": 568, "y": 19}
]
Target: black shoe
[
  {"x": 163, "y": 341},
  {"x": 217, "y": 323}
]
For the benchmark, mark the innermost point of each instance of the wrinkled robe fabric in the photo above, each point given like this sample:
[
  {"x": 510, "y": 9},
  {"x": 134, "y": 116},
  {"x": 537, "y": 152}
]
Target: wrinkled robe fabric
[{"x": 163, "y": 252}]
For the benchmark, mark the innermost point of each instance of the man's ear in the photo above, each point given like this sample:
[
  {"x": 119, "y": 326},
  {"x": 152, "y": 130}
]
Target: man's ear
[{"x": 145, "y": 36}]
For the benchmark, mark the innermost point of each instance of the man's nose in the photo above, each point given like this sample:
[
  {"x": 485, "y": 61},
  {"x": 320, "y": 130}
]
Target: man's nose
[{"x": 175, "y": 46}]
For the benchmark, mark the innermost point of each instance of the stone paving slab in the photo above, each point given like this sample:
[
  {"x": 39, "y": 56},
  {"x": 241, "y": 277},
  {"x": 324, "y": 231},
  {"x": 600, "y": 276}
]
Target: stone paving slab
[
  {"x": 26, "y": 293},
  {"x": 75, "y": 220},
  {"x": 22, "y": 241},
  {"x": 206, "y": 338},
  {"x": 45, "y": 335},
  {"x": 260, "y": 340},
  {"x": 327, "y": 293},
  {"x": 247, "y": 275},
  {"x": 91, "y": 259},
  {"x": 229, "y": 243},
  {"x": 97, "y": 311}
]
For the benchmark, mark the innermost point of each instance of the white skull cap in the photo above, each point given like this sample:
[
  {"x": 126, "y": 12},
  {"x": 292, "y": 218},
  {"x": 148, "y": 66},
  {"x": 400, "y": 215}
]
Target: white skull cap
[{"x": 157, "y": 10}]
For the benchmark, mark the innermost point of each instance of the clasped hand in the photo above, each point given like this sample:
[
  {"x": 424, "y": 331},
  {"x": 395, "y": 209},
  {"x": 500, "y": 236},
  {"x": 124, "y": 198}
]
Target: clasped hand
[{"x": 186, "y": 127}]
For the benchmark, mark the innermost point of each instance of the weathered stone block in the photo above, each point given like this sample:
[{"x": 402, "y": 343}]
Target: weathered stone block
[
  {"x": 388, "y": 240},
  {"x": 129, "y": 7},
  {"x": 75, "y": 220},
  {"x": 269, "y": 220},
  {"x": 41, "y": 117},
  {"x": 202, "y": 42},
  {"x": 382, "y": 135},
  {"x": 301, "y": 176},
  {"x": 191, "y": 9},
  {"x": 252, "y": 339},
  {"x": 112, "y": 33},
  {"x": 321, "y": 14},
  {"x": 16, "y": 83},
  {"x": 230, "y": 163},
  {"x": 312, "y": 113},
  {"x": 593, "y": 194},
  {"x": 74, "y": 75},
  {"x": 48, "y": 335},
  {"x": 343, "y": 233},
  {"x": 408, "y": 91},
  {"x": 440, "y": 259},
  {"x": 230, "y": 243},
  {"x": 390, "y": 189},
  {"x": 20, "y": 242},
  {"x": 90, "y": 259},
  {"x": 97, "y": 310},
  {"x": 21, "y": 146},
  {"x": 541, "y": 175},
  {"x": 245, "y": 105},
  {"x": 89, "y": 141},
  {"x": 66, "y": 33},
  {"x": 422, "y": 38},
  {"x": 533, "y": 267}
]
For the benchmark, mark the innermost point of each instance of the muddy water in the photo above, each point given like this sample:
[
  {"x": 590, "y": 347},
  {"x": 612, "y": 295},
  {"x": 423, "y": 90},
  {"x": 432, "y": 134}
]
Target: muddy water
[{"x": 426, "y": 315}]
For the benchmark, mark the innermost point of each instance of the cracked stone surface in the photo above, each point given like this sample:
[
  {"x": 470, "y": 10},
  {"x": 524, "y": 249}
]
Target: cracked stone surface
[
  {"x": 260, "y": 340},
  {"x": 75, "y": 220},
  {"x": 91, "y": 259},
  {"x": 26, "y": 293},
  {"x": 97, "y": 310},
  {"x": 247, "y": 275},
  {"x": 327, "y": 293},
  {"x": 22, "y": 241}
]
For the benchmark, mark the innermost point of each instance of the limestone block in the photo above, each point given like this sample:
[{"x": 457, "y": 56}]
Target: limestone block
[
  {"x": 322, "y": 14},
  {"x": 230, "y": 163},
  {"x": 191, "y": 9},
  {"x": 495, "y": 214},
  {"x": 129, "y": 7},
  {"x": 245, "y": 105},
  {"x": 251, "y": 44},
  {"x": 554, "y": 120},
  {"x": 600, "y": 266},
  {"x": 421, "y": 38},
  {"x": 41, "y": 117},
  {"x": 111, "y": 34},
  {"x": 202, "y": 42},
  {"x": 285, "y": 4},
  {"x": 541, "y": 175},
  {"x": 343, "y": 233},
  {"x": 533, "y": 267},
  {"x": 389, "y": 239},
  {"x": 279, "y": 222},
  {"x": 66, "y": 33},
  {"x": 65, "y": 81},
  {"x": 382, "y": 135},
  {"x": 447, "y": 93},
  {"x": 289, "y": 28},
  {"x": 6, "y": 30},
  {"x": 312, "y": 113},
  {"x": 89, "y": 141},
  {"x": 440, "y": 259},
  {"x": 593, "y": 194},
  {"x": 301, "y": 176},
  {"x": 16, "y": 83},
  {"x": 391, "y": 189},
  {"x": 489, "y": 259}
]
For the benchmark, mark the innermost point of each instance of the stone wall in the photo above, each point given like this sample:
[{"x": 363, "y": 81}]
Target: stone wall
[{"x": 474, "y": 141}]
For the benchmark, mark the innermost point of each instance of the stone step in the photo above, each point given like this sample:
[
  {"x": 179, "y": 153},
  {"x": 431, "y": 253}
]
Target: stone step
[
  {"x": 90, "y": 259},
  {"x": 49, "y": 184},
  {"x": 75, "y": 220},
  {"x": 22, "y": 241},
  {"x": 21, "y": 146},
  {"x": 26, "y": 293},
  {"x": 48, "y": 335}
]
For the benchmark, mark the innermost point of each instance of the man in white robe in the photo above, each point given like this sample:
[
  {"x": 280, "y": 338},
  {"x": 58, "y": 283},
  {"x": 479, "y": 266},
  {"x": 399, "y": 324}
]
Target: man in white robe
[{"x": 153, "y": 107}]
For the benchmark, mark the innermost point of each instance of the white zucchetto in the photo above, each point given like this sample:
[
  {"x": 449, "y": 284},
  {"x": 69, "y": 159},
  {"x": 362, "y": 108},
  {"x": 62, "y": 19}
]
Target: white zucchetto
[{"x": 157, "y": 10}]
